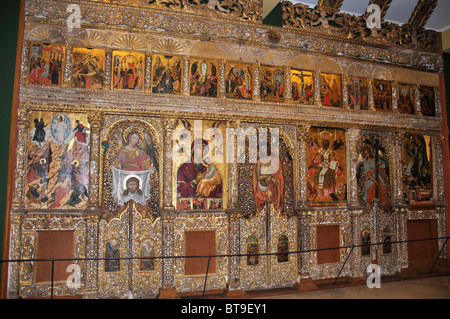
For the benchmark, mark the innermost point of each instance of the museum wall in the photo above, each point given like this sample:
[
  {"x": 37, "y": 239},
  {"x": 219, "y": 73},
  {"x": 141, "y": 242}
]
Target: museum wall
[{"x": 145, "y": 135}]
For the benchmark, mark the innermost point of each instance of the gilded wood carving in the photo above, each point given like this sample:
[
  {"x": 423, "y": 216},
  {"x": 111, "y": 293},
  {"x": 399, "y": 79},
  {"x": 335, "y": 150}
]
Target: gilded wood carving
[{"x": 105, "y": 108}]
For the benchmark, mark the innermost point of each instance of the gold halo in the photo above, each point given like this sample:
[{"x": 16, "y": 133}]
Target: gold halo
[
  {"x": 133, "y": 129},
  {"x": 325, "y": 135}
]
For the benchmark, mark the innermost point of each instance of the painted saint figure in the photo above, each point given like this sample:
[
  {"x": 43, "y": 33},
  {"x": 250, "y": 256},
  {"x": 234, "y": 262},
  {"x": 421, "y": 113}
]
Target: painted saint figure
[
  {"x": 39, "y": 133},
  {"x": 81, "y": 134},
  {"x": 252, "y": 251},
  {"x": 268, "y": 180},
  {"x": 132, "y": 167},
  {"x": 147, "y": 250},
  {"x": 211, "y": 179},
  {"x": 373, "y": 170},
  {"x": 326, "y": 162},
  {"x": 131, "y": 157},
  {"x": 111, "y": 253},
  {"x": 418, "y": 166},
  {"x": 61, "y": 129},
  {"x": 191, "y": 175}
]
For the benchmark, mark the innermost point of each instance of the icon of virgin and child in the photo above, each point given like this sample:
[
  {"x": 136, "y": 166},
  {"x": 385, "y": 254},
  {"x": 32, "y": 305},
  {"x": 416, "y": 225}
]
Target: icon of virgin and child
[
  {"x": 132, "y": 167},
  {"x": 199, "y": 177}
]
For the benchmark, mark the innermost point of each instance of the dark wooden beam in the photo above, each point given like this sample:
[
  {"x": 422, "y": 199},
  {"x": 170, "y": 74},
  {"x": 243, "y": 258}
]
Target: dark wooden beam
[{"x": 422, "y": 12}]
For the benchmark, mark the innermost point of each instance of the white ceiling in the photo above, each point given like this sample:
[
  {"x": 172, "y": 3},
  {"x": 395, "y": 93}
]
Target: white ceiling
[{"x": 399, "y": 11}]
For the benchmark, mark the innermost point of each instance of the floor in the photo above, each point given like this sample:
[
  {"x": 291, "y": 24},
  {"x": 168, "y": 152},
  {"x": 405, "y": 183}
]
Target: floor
[{"x": 420, "y": 288}]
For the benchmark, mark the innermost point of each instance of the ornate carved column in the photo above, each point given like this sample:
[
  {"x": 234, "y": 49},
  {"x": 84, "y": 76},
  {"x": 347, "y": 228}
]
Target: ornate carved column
[
  {"x": 95, "y": 120},
  {"x": 317, "y": 98},
  {"x": 14, "y": 272},
  {"x": 402, "y": 248},
  {"x": 233, "y": 225},
  {"x": 438, "y": 164},
  {"x": 256, "y": 89},
  {"x": 108, "y": 68},
  {"x": 67, "y": 78},
  {"x": 394, "y": 88},
  {"x": 148, "y": 72},
  {"x": 91, "y": 275},
  {"x": 234, "y": 232},
  {"x": 221, "y": 84},
  {"x": 371, "y": 98},
  {"x": 168, "y": 289},
  {"x": 352, "y": 187},
  {"x": 345, "y": 102},
  {"x": 305, "y": 235},
  {"x": 417, "y": 104},
  {"x": 23, "y": 122},
  {"x": 301, "y": 199},
  {"x": 397, "y": 174},
  {"x": 169, "y": 124},
  {"x": 437, "y": 98},
  {"x": 287, "y": 85},
  {"x": 185, "y": 89},
  {"x": 233, "y": 173}
]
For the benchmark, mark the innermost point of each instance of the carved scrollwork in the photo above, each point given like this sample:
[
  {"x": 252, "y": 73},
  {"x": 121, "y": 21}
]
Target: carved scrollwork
[
  {"x": 354, "y": 27},
  {"x": 245, "y": 10}
]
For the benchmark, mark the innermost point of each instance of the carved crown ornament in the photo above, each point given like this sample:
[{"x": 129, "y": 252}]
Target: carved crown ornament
[{"x": 347, "y": 26}]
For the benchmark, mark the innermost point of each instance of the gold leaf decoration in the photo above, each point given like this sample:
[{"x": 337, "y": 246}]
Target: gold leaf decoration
[
  {"x": 47, "y": 35},
  {"x": 129, "y": 42},
  {"x": 170, "y": 46}
]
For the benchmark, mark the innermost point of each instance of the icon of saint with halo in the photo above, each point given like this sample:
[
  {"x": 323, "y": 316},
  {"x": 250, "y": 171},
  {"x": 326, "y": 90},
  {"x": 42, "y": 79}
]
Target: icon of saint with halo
[{"x": 132, "y": 166}]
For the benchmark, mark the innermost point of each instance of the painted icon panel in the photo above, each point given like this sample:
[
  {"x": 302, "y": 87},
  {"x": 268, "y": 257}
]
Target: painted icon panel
[
  {"x": 427, "y": 101},
  {"x": 128, "y": 70},
  {"x": 417, "y": 169},
  {"x": 358, "y": 93},
  {"x": 272, "y": 173},
  {"x": 239, "y": 81},
  {"x": 131, "y": 163},
  {"x": 58, "y": 161},
  {"x": 302, "y": 83},
  {"x": 46, "y": 64},
  {"x": 147, "y": 250},
  {"x": 382, "y": 95},
  {"x": 330, "y": 89},
  {"x": 199, "y": 165},
  {"x": 406, "y": 99},
  {"x": 88, "y": 68},
  {"x": 252, "y": 250},
  {"x": 365, "y": 242},
  {"x": 167, "y": 74},
  {"x": 327, "y": 167},
  {"x": 112, "y": 255},
  {"x": 271, "y": 84},
  {"x": 283, "y": 249},
  {"x": 387, "y": 241},
  {"x": 204, "y": 77},
  {"x": 373, "y": 171}
]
